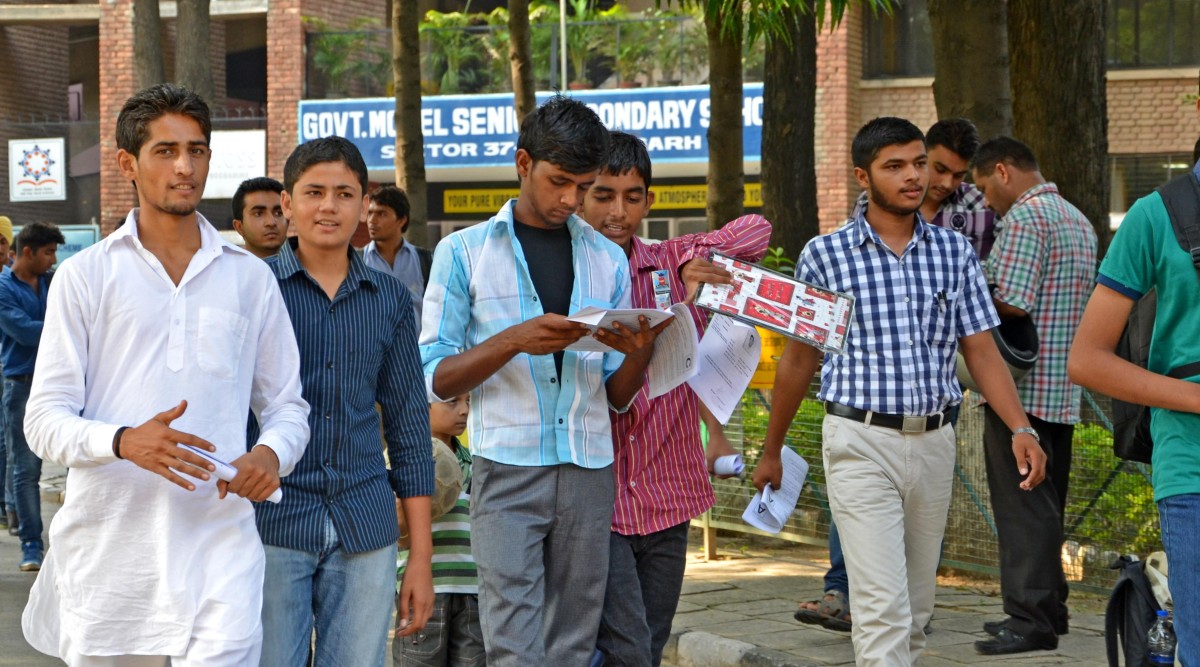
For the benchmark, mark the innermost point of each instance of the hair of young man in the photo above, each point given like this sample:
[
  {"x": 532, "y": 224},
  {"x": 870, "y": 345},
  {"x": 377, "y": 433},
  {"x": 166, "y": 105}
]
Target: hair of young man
[
  {"x": 957, "y": 134},
  {"x": 150, "y": 104},
  {"x": 250, "y": 186},
  {"x": 327, "y": 149},
  {"x": 1196, "y": 153},
  {"x": 38, "y": 235},
  {"x": 628, "y": 153},
  {"x": 1003, "y": 149},
  {"x": 566, "y": 133},
  {"x": 877, "y": 135},
  {"x": 393, "y": 198}
]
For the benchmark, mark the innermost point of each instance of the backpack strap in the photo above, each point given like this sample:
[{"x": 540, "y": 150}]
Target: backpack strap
[
  {"x": 426, "y": 259},
  {"x": 1181, "y": 196}
]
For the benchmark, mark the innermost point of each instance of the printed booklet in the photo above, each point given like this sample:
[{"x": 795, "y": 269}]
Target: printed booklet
[{"x": 771, "y": 300}]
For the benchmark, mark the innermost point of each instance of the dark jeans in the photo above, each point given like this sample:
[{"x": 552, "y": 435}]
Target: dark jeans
[
  {"x": 451, "y": 638},
  {"x": 27, "y": 467},
  {"x": 6, "y": 486},
  {"x": 645, "y": 575},
  {"x": 1029, "y": 525}
]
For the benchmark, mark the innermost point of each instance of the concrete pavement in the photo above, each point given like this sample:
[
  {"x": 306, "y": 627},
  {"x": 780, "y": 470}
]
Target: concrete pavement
[{"x": 737, "y": 611}]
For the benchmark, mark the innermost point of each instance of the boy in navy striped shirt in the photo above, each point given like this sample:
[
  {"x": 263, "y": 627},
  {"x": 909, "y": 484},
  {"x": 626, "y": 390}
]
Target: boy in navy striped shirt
[{"x": 331, "y": 543}]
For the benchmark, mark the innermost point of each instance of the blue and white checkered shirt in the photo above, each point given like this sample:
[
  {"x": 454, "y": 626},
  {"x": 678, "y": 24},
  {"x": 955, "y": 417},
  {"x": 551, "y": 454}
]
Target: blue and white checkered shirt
[
  {"x": 909, "y": 313},
  {"x": 479, "y": 285}
]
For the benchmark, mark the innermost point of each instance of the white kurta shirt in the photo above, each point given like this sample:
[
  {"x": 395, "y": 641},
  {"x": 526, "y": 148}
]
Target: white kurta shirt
[{"x": 136, "y": 562}]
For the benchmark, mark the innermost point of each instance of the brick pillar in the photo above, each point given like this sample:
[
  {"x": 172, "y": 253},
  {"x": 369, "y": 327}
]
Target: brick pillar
[
  {"x": 117, "y": 83},
  {"x": 839, "y": 69},
  {"x": 285, "y": 81}
]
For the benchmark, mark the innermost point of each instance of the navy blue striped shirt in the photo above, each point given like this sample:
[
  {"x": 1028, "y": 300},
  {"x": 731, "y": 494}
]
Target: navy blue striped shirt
[
  {"x": 909, "y": 312},
  {"x": 359, "y": 349}
]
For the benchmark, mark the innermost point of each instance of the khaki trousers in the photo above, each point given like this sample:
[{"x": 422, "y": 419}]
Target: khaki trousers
[{"x": 889, "y": 492}]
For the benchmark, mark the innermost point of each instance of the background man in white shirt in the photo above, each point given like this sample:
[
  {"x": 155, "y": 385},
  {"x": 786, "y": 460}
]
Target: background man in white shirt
[
  {"x": 389, "y": 251},
  {"x": 165, "y": 326}
]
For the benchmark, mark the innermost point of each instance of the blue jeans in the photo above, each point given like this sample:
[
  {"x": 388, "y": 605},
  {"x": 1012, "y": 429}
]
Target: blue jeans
[
  {"x": 835, "y": 577},
  {"x": 26, "y": 466},
  {"x": 346, "y": 597},
  {"x": 1179, "y": 520},
  {"x": 645, "y": 575},
  {"x": 451, "y": 638},
  {"x": 10, "y": 501}
]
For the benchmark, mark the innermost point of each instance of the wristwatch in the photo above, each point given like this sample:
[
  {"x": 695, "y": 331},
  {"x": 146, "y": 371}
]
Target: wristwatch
[{"x": 1029, "y": 430}]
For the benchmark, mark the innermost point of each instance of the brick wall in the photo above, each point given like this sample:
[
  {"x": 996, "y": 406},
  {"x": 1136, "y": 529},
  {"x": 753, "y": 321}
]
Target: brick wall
[
  {"x": 285, "y": 80},
  {"x": 117, "y": 83},
  {"x": 1150, "y": 115},
  {"x": 33, "y": 89},
  {"x": 839, "y": 66}
]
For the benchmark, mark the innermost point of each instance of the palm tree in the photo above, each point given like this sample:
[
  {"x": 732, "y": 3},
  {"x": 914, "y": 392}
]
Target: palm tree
[{"x": 410, "y": 143}]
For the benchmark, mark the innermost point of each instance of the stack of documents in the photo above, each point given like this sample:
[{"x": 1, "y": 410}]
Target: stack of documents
[{"x": 769, "y": 509}]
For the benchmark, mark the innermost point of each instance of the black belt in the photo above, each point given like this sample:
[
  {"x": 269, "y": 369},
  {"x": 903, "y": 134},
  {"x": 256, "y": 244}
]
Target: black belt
[
  {"x": 904, "y": 423},
  {"x": 24, "y": 379}
]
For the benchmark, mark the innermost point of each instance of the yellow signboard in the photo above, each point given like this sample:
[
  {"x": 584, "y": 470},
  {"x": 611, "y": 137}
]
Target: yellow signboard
[
  {"x": 673, "y": 197},
  {"x": 666, "y": 198},
  {"x": 477, "y": 201}
]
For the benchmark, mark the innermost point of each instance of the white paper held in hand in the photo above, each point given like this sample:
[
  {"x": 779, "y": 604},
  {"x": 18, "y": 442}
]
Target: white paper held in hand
[
  {"x": 769, "y": 509},
  {"x": 729, "y": 465},
  {"x": 226, "y": 472}
]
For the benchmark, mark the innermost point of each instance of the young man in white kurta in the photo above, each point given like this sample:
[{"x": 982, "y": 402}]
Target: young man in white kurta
[{"x": 146, "y": 565}]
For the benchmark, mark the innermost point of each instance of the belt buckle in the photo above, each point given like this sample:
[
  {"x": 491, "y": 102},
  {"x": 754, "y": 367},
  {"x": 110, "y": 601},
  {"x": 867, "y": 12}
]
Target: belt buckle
[{"x": 913, "y": 424}]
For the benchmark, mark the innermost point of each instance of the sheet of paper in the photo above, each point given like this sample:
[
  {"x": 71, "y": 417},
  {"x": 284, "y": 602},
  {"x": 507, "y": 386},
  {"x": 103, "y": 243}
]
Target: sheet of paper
[
  {"x": 226, "y": 472},
  {"x": 769, "y": 509},
  {"x": 725, "y": 362},
  {"x": 675, "y": 351},
  {"x": 598, "y": 318}
]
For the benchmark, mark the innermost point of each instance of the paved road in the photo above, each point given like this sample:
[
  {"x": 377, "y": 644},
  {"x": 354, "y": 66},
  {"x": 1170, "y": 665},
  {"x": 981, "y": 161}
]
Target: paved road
[{"x": 14, "y": 590}]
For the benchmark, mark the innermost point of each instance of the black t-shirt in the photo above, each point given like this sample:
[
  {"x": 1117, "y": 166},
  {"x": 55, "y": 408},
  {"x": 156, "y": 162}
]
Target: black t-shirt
[{"x": 548, "y": 254}]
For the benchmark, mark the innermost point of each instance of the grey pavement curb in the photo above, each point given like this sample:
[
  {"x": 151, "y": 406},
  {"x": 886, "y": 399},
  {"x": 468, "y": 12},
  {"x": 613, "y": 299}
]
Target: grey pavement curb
[{"x": 694, "y": 648}]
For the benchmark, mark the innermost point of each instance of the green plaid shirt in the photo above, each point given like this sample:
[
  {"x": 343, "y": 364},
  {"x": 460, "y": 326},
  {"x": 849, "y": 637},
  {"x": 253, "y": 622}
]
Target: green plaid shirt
[{"x": 1044, "y": 262}]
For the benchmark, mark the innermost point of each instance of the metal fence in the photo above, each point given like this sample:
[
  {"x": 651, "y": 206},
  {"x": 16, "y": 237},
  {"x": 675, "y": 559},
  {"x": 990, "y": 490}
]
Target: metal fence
[{"x": 1110, "y": 506}]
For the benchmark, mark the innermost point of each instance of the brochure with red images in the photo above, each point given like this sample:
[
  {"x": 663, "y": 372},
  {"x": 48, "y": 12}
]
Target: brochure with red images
[{"x": 771, "y": 300}]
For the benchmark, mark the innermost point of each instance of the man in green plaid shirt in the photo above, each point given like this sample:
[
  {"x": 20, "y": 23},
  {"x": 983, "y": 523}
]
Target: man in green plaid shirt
[{"x": 1042, "y": 266}]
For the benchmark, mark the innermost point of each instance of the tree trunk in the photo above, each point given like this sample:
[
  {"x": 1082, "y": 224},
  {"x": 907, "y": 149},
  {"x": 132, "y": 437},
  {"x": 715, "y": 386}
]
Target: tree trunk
[
  {"x": 1059, "y": 104},
  {"x": 147, "y": 44},
  {"x": 520, "y": 55},
  {"x": 410, "y": 143},
  {"x": 970, "y": 57},
  {"x": 726, "y": 174},
  {"x": 789, "y": 174},
  {"x": 193, "y": 66}
]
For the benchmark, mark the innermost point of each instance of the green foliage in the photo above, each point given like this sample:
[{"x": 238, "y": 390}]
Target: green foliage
[
  {"x": 1110, "y": 503},
  {"x": 496, "y": 42},
  {"x": 455, "y": 55},
  {"x": 361, "y": 55},
  {"x": 776, "y": 260}
]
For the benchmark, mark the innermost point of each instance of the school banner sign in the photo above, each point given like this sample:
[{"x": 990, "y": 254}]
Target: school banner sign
[
  {"x": 481, "y": 130},
  {"x": 37, "y": 169}
]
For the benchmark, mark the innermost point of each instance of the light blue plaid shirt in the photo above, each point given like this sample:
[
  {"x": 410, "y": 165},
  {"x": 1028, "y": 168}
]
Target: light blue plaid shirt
[
  {"x": 479, "y": 285},
  {"x": 909, "y": 313}
]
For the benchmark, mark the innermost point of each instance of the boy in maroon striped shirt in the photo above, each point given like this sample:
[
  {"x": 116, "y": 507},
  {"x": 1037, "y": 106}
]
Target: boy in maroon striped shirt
[{"x": 659, "y": 463}]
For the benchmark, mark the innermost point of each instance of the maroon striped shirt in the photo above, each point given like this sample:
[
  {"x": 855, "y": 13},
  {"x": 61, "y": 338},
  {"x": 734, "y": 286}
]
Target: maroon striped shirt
[{"x": 658, "y": 460}]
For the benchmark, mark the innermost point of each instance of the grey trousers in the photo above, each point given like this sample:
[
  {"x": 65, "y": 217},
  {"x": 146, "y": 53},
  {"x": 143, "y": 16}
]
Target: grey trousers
[{"x": 539, "y": 536}]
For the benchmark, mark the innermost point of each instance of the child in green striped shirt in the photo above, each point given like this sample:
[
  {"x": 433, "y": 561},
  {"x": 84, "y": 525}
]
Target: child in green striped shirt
[{"x": 453, "y": 635}]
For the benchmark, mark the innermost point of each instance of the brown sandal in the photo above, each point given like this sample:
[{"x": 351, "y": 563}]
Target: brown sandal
[{"x": 831, "y": 612}]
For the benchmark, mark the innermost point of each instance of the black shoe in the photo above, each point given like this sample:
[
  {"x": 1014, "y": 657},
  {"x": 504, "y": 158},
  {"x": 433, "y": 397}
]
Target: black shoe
[
  {"x": 1006, "y": 641},
  {"x": 993, "y": 627}
]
